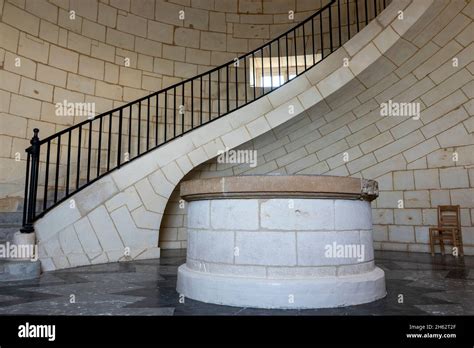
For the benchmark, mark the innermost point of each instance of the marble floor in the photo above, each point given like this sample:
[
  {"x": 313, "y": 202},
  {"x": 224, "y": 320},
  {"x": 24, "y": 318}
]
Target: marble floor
[{"x": 430, "y": 286}]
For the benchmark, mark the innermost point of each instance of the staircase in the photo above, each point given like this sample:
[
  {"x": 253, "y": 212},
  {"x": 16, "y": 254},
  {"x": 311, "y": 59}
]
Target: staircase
[
  {"x": 9, "y": 224},
  {"x": 96, "y": 192},
  {"x": 12, "y": 269}
]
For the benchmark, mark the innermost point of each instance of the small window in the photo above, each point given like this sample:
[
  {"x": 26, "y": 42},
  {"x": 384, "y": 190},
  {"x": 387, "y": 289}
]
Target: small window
[{"x": 266, "y": 72}]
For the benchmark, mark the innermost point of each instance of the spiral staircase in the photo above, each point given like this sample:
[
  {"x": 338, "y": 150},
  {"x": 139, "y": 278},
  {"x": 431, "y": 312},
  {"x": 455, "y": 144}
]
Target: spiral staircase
[{"x": 86, "y": 177}]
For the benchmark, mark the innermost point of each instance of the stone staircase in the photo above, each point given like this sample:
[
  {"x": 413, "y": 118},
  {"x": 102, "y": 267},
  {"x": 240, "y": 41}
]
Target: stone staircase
[
  {"x": 10, "y": 222},
  {"x": 14, "y": 269}
]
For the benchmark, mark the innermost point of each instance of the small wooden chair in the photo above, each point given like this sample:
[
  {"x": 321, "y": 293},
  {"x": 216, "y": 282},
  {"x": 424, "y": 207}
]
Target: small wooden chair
[{"x": 449, "y": 228}]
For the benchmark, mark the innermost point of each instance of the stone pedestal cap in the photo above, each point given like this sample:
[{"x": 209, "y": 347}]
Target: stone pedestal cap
[{"x": 271, "y": 186}]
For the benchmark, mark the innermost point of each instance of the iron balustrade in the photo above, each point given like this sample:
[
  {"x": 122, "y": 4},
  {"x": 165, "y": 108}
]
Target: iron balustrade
[{"x": 115, "y": 137}]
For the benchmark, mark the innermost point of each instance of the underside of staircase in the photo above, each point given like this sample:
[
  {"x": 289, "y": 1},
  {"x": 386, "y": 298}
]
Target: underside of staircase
[{"x": 111, "y": 210}]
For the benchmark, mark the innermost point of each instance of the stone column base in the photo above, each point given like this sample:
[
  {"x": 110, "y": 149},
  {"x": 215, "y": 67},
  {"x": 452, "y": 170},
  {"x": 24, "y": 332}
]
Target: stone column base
[{"x": 320, "y": 292}]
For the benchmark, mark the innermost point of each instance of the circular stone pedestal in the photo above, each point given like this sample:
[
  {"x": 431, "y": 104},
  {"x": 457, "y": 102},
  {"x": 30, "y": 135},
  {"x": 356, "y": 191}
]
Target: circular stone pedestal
[{"x": 280, "y": 242}]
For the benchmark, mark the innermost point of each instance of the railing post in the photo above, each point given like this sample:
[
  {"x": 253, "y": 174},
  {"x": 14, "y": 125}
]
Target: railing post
[{"x": 31, "y": 183}]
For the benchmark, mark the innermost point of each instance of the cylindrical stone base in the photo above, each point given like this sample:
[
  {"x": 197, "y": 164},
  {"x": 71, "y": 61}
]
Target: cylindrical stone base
[
  {"x": 317, "y": 292},
  {"x": 280, "y": 242}
]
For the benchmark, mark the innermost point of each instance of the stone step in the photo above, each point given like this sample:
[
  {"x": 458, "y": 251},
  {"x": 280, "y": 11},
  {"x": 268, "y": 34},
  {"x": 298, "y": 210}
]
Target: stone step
[
  {"x": 11, "y": 270},
  {"x": 11, "y": 218},
  {"x": 6, "y": 233}
]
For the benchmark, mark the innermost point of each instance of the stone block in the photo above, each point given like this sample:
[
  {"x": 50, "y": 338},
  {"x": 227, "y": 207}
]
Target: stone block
[
  {"x": 312, "y": 248},
  {"x": 422, "y": 234},
  {"x": 33, "y": 48},
  {"x": 51, "y": 75},
  {"x": 110, "y": 91},
  {"x": 405, "y": 234},
  {"x": 61, "y": 217},
  {"x": 361, "y": 163},
  {"x": 382, "y": 217},
  {"x": 310, "y": 97},
  {"x": 363, "y": 59},
  {"x": 9, "y": 37},
  {"x": 445, "y": 122},
  {"x": 399, "y": 145},
  {"x": 94, "y": 195},
  {"x": 213, "y": 41},
  {"x": 455, "y": 177},
  {"x": 421, "y": 150},
  {"x": 186, "y": 37},
  {"x": 303, "y": 163},
  {"x": 416, "y": 199},
  {"x": 103, "y": 52},
  {"x": 25, "y": 107},
  {"x": 37, "y": 90},
  {"x": 297, "y": 214},
  {"x": 380, "y": 233},
  {"x": 134, "y": 238},
  {"x": 462, "y": 197},
  {"x": 352, "y": 215},
  {"x": 335, "y": 81},
  {"x": 258, "y": 127},
  {"x": 403, "y": 180},
  {"x": 198, "y": 214},
  {"x": 69, "y": 242},
  {"x": 362, "y": 38},
  {"x": 293, "y": 89},
  {"x": 389, "y": 199},
  {"x": 12, "y": 124},
  {"x": 105, "y": 230},
  {"x": 132, "y": 24},
  {"x": 91, "y": 67},
  {"x": 63, "y": 59},
  {"x": 160, "y": 32},
  {"x": 87, "y": 236},
  {"x": 284, "y": 112},
  {"x": 426, "y": 179},
  {"x": 447, "y": 87},
  {"x": 455, "y": 136},
  {"x": 120, "y": 39},
  {"x": 80, "y": 84},
  {"x": 225, "y": 214},
  {"x": 407, "y": 217},
  {"x": 412, "y": 13},
  {"x": 21, "y": 19},
  {"x": 160, "y": 184},
  {"x": 79, "y": 43},
  {"x": 211, "y": 246},
  {"x": 266, "y": 248},
  {"x": 152, "y": 201},
  {"x": 377, "y": 142}
]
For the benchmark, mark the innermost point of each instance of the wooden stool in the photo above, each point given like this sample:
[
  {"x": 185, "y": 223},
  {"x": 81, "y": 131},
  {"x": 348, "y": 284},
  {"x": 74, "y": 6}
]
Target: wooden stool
[{"x": 449, "y": 228}]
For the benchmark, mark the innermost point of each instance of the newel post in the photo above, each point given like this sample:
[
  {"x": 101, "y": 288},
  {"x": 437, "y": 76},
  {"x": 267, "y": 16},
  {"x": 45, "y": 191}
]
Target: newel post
[{"x": 31, "y": 183}]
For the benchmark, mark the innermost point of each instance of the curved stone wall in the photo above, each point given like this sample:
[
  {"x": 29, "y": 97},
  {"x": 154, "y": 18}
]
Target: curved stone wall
[
  {"x": 111, "y": 52},
  {"x": 419, "y": 164},
  {"x": 253, "y": 240},
  {"x": 121, "y": 212}
]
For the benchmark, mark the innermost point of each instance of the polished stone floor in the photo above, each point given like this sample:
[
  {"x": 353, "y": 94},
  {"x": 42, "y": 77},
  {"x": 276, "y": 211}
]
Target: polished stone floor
[{"x": 430, "y": 286}]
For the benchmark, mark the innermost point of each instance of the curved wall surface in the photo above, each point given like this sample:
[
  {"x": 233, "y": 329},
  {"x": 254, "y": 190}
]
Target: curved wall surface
[
  {"x": 419, "y": 163},
  {"x": 123, "y": 210},
  {"x": 110, "y": 52}
]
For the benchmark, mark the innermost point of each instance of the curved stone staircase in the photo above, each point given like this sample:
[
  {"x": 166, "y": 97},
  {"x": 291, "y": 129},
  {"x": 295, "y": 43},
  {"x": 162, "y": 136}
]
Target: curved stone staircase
[{"x": 117, "y": 215}]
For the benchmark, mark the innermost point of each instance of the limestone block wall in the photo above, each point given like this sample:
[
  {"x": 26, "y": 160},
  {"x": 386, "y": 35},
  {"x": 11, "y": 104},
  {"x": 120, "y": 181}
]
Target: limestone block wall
[
  {"x": 419, "y": 164},
  {"x": 109, "y": 53},
  {"x": 263, "y": 230},
  {"x": 122, "y": 212}
]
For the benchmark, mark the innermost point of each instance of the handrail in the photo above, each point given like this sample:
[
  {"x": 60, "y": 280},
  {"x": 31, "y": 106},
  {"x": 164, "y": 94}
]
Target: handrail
[{"x": 313, "y": 40}]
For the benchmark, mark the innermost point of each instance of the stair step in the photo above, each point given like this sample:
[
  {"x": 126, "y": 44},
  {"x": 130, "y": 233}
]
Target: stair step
[
  {"x": 11, "y": 270},
  {"x": 6, "y": 233},
  {"x": 11, "y": 217}
]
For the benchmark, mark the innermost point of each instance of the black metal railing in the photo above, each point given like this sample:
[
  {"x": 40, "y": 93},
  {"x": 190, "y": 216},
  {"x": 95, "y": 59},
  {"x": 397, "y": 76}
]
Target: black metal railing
[{"x": 70, "y": 160}]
